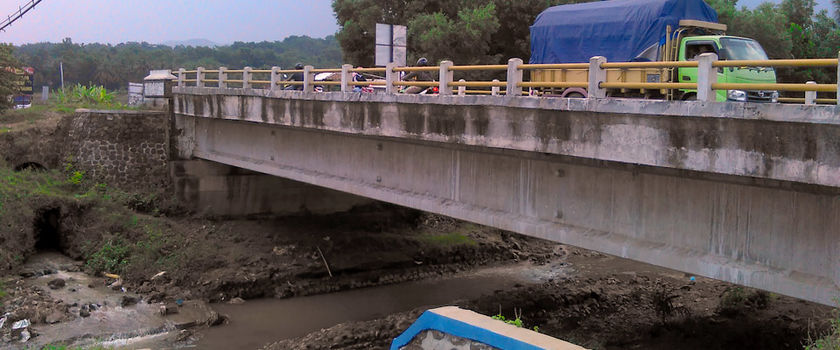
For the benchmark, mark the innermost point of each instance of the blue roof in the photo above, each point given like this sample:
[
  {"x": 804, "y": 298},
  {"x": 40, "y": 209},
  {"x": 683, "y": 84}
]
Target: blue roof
[{"x": 617, "y": 29}]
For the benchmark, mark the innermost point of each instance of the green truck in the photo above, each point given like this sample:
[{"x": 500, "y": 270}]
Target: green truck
[{"x": 642, "y": 31}]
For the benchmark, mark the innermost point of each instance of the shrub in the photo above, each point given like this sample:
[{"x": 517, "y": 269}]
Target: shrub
[{"x": 112, "y": 257}]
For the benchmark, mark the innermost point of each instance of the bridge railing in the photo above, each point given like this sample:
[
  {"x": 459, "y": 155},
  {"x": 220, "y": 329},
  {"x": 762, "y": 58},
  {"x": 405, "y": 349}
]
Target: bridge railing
[{"x": 591, "y": 78}]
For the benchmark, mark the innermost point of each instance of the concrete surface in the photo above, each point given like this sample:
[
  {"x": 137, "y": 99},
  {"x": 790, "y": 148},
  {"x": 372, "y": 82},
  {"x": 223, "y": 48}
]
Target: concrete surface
[
  {"x": 450, "y": 327},
  {"x": 216, "y": 189},
  {"x": 744, "y": 193}
]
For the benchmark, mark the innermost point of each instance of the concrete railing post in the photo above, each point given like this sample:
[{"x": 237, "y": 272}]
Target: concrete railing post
[
  {"x": 223, "y": 77},
  {"x": 597, "y": 75},
  {"x": 181, "y": 77},
  {"x": 706, "y": 76},
  {"x": 346, "y": 78},
  {"x": 837, "y": 95},
  {"x": 494, "y": 90},
  {"x": 308, "y": 79},
  {"x": 446, "y": 77},
  {"x": 246, "y": 77},
  {"x": 390, "y": 78},
  {"x": 514, "y": 77},
  {"x": 275, "y": 78},
  {"x": 462, "y": 90},
  {"x": 199, "y": 77},
  {"x": 810, "y": 96}
]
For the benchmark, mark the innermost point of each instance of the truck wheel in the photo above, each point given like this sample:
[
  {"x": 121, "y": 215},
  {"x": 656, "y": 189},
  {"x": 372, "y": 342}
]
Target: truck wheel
[
  {"x": 575, "y": 95},
  {"x": 690, "y": 97}
]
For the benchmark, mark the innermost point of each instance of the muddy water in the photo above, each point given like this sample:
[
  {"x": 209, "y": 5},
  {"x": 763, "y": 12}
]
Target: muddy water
[
  {"x": 109, "y": 324},
  {"x": 257, "y": 322}
]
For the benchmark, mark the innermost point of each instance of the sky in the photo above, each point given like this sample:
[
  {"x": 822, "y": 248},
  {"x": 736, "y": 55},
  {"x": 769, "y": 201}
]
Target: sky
[
  {"x": 156, "y": 21},
  {"x": 821, "y": 4}
]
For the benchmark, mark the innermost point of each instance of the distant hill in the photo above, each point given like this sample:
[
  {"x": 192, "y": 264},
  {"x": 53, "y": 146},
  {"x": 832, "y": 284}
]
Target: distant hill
[{"x": 190, "y": 42}]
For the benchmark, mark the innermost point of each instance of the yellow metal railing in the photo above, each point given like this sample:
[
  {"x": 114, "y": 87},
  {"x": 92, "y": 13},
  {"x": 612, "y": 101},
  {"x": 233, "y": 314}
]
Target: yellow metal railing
[{"x": 612, "y": 76}]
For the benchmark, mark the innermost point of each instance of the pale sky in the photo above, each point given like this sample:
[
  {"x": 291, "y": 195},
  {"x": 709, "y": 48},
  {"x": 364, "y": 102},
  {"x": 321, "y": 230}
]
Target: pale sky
[{"x": 155, "y": 21}]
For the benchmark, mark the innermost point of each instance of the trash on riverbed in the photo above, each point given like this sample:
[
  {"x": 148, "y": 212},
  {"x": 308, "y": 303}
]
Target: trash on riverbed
[
  {"x": 111, "y": 275},
  {"x": 158, "y": 275},
  {"x": 20, "y": 324},
  {"x": 24, "y": 336}
]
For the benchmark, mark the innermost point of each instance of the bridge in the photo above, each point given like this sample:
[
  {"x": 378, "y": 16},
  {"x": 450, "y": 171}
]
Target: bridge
[{"x": 741, "y": 192}]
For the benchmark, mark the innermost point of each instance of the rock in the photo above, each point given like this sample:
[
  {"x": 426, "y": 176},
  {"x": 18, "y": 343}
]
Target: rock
[
  {"x": 128, "y": 301},
  {"x": 55, "y": 317},
  {"x": 27, "y": 274},
  {"x": 185, "y": 325},
  {"x": 84, "y": 312},
  {"x": 156, "y": 298},
  {"x": 56, "y": 283},
  {"x": 236, "y": 300},
  {"x": 24, "y": 336},
  {"x": 216, "y": 319},
  {"x": 169, "y": 309}
]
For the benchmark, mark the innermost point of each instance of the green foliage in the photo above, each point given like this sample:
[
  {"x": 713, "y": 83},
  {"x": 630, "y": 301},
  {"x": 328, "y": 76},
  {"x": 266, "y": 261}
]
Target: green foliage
[
  {"x": 494, "y": 30},
  {"x": 828, "y": 341},
  {"x": 663, "y": 303},
  {"x": 112, "y": 257},
  {"x": 112, "y": 66},
  {"x": 8, "y": 79},
  {"x": 449, "y": 239},
  {"x": 516, "y": 321},
  {"x": 736, "y": 300},
  {"x": 76, "y": 177}
]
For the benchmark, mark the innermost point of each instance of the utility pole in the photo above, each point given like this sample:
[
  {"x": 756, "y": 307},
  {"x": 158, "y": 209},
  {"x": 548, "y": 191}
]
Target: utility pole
[{"x": 61, "y": 69}]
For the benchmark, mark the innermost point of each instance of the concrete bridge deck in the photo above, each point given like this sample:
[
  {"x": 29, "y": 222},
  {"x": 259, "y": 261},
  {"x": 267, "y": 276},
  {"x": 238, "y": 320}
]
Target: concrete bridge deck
[{"x": 746, "y": 193}]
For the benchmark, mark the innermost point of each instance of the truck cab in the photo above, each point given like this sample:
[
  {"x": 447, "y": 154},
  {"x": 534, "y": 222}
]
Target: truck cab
[{"x": 728, "y": 48}]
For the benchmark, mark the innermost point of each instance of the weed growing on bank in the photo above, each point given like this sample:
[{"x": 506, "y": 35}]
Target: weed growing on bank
[
  {"x": 2, "y": 293},
  {"x": 736, "y": 300},
  {"x": 516, "y": 321},
  {"x": 112, "y": 230},
  {"x": 831, "y": 339}
]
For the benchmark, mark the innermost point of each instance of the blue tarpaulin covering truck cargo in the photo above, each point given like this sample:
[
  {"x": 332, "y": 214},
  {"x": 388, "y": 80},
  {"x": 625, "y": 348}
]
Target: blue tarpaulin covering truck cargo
[
  {"x": 641, "y": 30},
  {"x": 620, "y": 30}
]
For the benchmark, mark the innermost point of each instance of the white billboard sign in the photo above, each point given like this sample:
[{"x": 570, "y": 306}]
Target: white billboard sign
[{"x": 391, "y": 44}]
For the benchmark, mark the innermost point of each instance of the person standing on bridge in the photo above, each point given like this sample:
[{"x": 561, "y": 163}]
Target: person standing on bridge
[
  {"x": 296, "y": 77},
  {"x": 418, "y": 76}
]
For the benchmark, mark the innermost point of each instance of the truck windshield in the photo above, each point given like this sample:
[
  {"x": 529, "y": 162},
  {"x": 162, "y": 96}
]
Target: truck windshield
[{"x": 741, "y": 49}]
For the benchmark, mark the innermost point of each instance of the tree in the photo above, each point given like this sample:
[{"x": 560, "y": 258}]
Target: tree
[
  {"x": 464, "y": 31},
  {"x": 8, "y": 79}
]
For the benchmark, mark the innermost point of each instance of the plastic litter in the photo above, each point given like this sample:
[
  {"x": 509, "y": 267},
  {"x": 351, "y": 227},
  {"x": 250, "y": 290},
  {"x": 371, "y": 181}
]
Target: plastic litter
[{"x": 20, "y": 324}]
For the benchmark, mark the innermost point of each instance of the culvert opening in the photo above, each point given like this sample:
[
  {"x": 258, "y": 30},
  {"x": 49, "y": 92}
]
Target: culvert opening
[
  {"x": 47, "y": 228},
  {"x": 31, "y": 166}
]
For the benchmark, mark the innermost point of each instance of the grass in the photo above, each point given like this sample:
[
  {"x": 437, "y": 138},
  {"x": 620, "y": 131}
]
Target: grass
[
  {"x": 78, "y": 96},
  {"x": 116, "y": 239},
  {"x": 831, "y": 339},
  {"x": 448, "y": 239}
]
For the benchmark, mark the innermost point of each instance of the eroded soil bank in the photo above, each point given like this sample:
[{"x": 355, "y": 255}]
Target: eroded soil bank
[{"x": 610, "y": 303}]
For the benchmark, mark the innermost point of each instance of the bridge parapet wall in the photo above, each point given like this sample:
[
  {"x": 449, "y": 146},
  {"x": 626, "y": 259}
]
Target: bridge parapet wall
[{"x": 796, "y": 143}]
